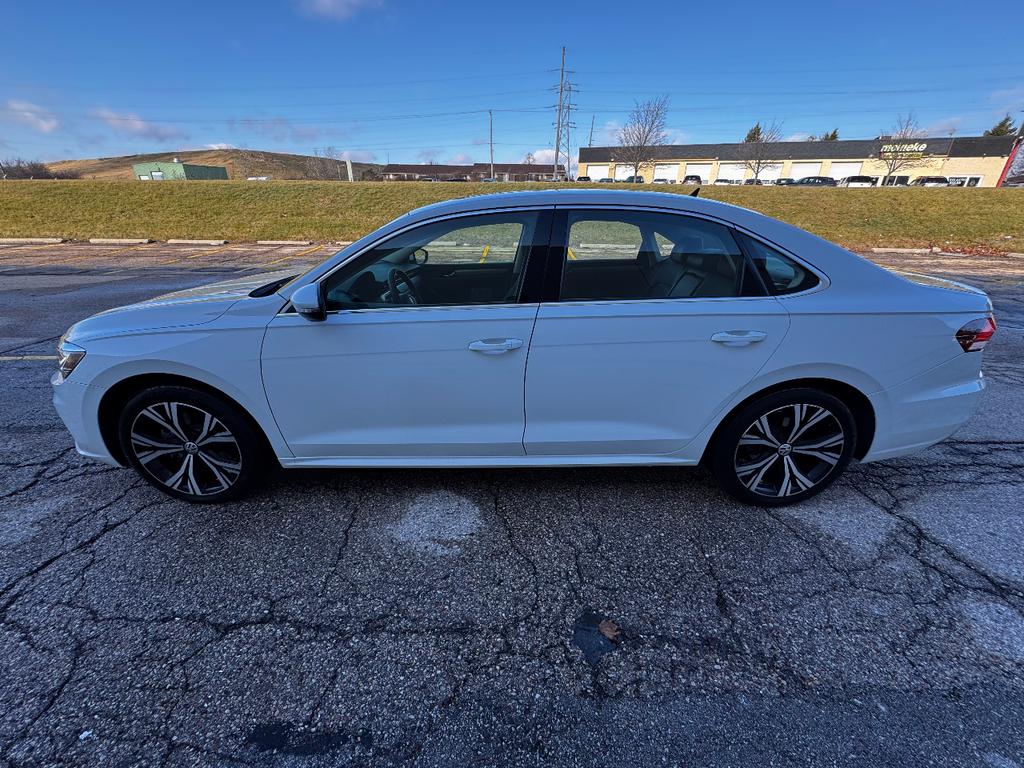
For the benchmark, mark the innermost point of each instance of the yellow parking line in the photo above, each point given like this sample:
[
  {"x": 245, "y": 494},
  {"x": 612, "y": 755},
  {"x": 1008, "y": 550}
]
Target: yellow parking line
[
  {"x": 295, "y": 255},
  {"x": 104, "y": 254},
  {"x": 20, "y": 248},
  {"x": 571, "y": 254},
  {"x": 210, "y": 253},
  {"x": 483, "y": 258}
]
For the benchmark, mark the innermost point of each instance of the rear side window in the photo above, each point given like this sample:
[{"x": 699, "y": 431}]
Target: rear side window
[
  {"x": 780, "y": 273},
  {"x": 631, "y": 255}
]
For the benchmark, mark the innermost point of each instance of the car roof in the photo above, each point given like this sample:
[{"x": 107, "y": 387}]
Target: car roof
[{"x": 572, "y": 196}]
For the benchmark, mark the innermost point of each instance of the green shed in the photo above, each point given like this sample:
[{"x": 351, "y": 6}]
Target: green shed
[{"x": 175, "y": 169}]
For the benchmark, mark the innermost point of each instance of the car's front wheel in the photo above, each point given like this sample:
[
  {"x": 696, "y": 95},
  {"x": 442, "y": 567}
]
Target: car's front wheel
[
  {"x": 190, "y": 444},
  {"x": 784, "y": 448}
]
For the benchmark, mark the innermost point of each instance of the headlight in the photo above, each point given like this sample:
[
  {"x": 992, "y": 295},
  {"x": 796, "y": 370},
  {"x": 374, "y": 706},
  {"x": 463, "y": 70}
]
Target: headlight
[{"x": 68, "y": 357}]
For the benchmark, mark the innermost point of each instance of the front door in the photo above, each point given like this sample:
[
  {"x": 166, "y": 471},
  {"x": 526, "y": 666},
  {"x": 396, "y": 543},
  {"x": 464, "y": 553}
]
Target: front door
[
  {"x": 659, "y": 321},
  {"x": 423, "y": 352}
]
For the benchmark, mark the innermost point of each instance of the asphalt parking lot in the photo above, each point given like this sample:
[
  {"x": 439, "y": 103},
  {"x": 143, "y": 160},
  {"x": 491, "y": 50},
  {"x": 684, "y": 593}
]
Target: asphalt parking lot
[{"x": 451, "y": 618}]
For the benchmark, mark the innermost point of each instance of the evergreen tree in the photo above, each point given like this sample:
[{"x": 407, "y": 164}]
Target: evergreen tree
[
  {"x": 1004, "y": 127},
  {"x": 754, "y": 134}
]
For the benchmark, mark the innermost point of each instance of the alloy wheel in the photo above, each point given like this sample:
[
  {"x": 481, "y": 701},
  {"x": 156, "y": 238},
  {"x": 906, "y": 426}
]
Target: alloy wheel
[
  {"x": 789, "y": 450},
  {"x": 186, "y": 448}
]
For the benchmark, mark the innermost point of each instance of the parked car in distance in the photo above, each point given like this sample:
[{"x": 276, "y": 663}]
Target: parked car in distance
[
  {"x": 490, "y": 180},
  {"x": 633, "y": 180},
  {"x": 582, "y": 178},
  {"x": 857, "y": 181},
  {"x": 930, "y": 181},
  {"x": 691, "y": 332},
  {"x": 606, "y": 180},
  {"x": 785, "y": 181},
  {"x": 664, "y": 181},
  {"x": 723, "y": 182},
  {"x": 815, "y": 181},
  {"x": 753, "y": 183},
  {"x": 692, "y": 179}
]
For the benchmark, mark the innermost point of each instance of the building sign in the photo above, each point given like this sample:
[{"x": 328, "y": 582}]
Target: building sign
[{"x": 903, "y": 149}]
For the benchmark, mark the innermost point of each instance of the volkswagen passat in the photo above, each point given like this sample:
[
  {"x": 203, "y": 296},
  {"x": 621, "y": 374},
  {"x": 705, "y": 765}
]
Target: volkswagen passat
[{"x": 552, "y": 328}]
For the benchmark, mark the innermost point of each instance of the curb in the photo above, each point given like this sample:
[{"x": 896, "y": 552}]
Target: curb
[
  {"x": 197, "y": 242},
  {"x": 30, "y": 240},
  {"x": 284, "y": 242},
  {"x": 903, "y": 250},
  {"x": 119, "y": 240}
]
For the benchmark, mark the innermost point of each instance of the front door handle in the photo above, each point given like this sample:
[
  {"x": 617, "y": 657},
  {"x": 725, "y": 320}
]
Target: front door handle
[
  {"x": 495, "y": 346},
  {"x": 738, "y": 338}
]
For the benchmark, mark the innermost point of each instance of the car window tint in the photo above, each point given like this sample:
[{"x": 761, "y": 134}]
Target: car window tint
[
  {"x": 632, "y": 255},
  {"x": 461, "y": 261},
  {"x": 780, "y": 273}
]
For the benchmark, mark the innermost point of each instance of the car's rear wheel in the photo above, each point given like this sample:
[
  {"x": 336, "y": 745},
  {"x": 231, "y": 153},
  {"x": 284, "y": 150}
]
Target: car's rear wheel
[
  {"x": 191, "y": 444},
  {"x": 784, "y": 448}
]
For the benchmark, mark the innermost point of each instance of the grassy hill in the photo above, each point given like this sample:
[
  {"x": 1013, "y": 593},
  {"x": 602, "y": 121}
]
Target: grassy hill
[
  {"x": 239, "y": 162},
  {"x": 984, "y": 219}
]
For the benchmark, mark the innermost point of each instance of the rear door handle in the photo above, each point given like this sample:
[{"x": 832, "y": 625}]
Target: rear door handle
[
  {"x": 738, "y": 338},
  {"x": 495, "y": 346}
]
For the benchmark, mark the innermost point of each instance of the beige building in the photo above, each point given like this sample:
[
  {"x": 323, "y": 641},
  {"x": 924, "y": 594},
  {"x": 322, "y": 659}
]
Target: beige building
[{"x": 974, "y": 161}]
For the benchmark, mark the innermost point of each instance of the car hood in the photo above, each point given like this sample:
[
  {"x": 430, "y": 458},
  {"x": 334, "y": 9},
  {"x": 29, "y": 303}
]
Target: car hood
[{"x": 180, "y": 309}]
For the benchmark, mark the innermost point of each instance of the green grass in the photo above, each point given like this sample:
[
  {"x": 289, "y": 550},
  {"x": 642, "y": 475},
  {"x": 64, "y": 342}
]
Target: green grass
[{"x": 982, "y": 219}]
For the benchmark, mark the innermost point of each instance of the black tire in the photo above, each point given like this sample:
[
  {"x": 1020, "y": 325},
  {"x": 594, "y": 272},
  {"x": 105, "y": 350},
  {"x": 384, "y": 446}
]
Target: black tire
[
  {"x": 800, "y": 469},
  {"x": 192, "y": 445}
]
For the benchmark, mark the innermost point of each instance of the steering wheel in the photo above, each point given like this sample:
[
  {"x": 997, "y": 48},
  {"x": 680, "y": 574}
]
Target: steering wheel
[{"x": 396, "y": 276}]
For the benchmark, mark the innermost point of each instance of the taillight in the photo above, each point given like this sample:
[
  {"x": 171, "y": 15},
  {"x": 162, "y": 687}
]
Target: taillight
[{"x": 975, "y": 335}]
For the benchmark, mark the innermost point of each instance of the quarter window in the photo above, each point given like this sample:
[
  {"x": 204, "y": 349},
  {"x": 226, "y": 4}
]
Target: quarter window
[
  {"x": 461, "y": 261},
  {"x": 630, "y": 255},
  {"x": 780, "y": 273}
]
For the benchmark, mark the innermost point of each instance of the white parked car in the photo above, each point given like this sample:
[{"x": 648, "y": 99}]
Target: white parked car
[{"x": 563, "y": 327}]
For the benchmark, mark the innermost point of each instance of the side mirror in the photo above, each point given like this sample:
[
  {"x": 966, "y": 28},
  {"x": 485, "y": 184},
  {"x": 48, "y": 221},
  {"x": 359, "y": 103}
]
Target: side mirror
[{"x": 309, "y": 302}]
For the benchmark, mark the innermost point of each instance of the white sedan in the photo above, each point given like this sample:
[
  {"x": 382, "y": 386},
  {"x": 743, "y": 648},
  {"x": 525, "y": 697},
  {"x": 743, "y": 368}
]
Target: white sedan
[{"x": 553, "y": 328}]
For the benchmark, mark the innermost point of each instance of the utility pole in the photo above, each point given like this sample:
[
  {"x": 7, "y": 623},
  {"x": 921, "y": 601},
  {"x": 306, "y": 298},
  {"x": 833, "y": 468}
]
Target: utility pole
[
  {"x": 568, "y": 125},
  {"x": 590, "y": 142},
  {"x": 558, "y": 120},
  {"x": 490, "y": 121}
]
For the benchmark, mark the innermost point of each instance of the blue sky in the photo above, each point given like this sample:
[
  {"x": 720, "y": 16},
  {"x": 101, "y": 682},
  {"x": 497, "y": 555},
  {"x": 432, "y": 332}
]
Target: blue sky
[{"x": 412, "y": 81}]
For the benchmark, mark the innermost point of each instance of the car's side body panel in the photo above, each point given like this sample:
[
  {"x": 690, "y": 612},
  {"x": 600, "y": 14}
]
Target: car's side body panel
[
  {"x": 640, "y": 377},
  {"x": 400, "y": 382}
]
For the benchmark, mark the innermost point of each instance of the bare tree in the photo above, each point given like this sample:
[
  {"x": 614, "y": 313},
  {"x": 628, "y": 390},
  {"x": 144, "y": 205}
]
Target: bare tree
[
  {"x": 17, "y": 168},
  {"x": 529, "y": 159},
  {"x": 642, "y": 134},
  {"x": 757, "y": 152},
  {"x": 901, "y": 149}
]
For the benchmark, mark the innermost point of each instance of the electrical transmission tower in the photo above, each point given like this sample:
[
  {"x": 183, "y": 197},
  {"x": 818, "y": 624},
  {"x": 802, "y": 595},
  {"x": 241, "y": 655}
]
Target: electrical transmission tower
[{"x": 563, "y": 119}]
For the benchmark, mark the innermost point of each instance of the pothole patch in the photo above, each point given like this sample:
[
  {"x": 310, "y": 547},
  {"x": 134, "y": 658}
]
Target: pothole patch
[{"x": 436, "y": 522}]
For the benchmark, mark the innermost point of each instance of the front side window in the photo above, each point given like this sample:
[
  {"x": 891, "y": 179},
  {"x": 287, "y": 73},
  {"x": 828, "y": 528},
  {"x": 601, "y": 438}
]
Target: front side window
[
  {"x": 461, "y": 261},
  {"x": 630, "y": 255},
  {"x": 780, "y": 273}
]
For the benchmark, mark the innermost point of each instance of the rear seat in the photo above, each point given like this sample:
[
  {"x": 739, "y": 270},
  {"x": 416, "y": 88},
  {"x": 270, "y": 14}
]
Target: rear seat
[{"x": 692, "y": 274}]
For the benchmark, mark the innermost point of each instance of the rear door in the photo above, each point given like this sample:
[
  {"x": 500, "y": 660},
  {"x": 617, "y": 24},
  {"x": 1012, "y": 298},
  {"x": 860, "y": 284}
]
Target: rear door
[{"x": 655, "y": 321}]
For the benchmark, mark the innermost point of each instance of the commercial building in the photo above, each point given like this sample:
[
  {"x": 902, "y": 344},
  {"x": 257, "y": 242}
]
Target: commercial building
[
  {"x": 474, "y": 172},
  {"x": 975, "y": 161},
  {"x": 175, "y": 169}
]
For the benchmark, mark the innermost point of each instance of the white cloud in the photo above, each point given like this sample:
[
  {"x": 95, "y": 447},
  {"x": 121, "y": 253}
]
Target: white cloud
[
  {"x": 219, "y": 145},
  {"x": 337, "y": 9},
  {"x": 798, "y": 136},
  {"x": 130, "y": 124},
  {"x": 428, "y": 155},
  {"x": 31, "y": 115},
  {"x": 944, "y": 127},
  {"x": 358, "y": 155},
  {"x": 543, "y": 156},
  {"x": 461, "y": 159}
]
